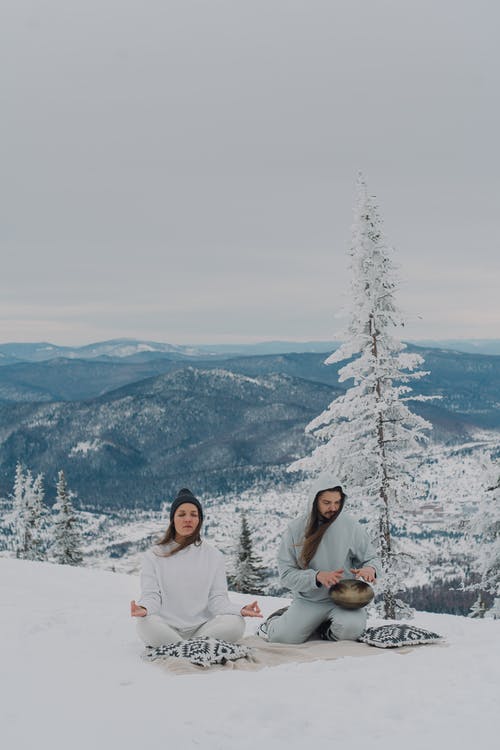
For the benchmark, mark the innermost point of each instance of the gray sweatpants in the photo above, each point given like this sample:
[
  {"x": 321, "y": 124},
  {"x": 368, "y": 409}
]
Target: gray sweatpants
[
  {"x": 153, "y": 630},
  {"x": 302, "y": 618}
]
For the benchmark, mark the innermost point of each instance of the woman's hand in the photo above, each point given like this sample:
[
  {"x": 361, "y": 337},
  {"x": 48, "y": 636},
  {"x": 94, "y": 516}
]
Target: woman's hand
[
  {"x": 251, "y": 610},
  {"x": 368, "y": 573},
  {"x": 136, "y": 610}
]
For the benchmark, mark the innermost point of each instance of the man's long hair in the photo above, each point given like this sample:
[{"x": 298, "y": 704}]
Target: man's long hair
[
  {"x": 169, "y": 536},
  {"x": 317, "y": 526}
]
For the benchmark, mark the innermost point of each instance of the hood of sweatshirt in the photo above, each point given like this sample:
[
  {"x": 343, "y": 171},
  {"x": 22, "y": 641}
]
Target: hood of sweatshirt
[{"x": 325, "y": 481}]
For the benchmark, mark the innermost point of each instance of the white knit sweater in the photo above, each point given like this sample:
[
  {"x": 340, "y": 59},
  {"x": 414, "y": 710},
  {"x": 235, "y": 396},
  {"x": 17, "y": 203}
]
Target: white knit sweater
[{"x": 186, "y": 589}]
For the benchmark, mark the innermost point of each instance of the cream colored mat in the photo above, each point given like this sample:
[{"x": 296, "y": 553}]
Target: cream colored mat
[{"x": 265, "y": 654}]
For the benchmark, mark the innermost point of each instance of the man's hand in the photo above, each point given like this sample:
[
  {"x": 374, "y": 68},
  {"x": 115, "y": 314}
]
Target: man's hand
[
  {"x": 136, "y": 610},
  {"x": 367, "y": 573},
  {"x": 251, "y": 610},
  {"x": 329, "y": 577}
]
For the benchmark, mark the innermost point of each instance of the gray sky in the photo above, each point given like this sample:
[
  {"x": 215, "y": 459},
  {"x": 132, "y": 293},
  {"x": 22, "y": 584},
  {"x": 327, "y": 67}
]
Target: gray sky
[{"x": 184, "y": 170}]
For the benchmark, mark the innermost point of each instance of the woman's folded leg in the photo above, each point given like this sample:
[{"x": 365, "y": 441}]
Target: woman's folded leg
[
  {"x": 154, "y": 631},
  {"x": 226, "y": 627}
]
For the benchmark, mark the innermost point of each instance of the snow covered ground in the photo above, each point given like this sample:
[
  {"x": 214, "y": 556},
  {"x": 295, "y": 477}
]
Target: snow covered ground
[{"x": 72, "y": 677}]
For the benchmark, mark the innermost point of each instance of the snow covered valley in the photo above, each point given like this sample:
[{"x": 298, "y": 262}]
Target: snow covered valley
[{"x": 72, "y": 676}]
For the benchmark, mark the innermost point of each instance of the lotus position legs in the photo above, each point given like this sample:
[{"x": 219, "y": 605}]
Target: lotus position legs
[{"x": 153, "y": 630}]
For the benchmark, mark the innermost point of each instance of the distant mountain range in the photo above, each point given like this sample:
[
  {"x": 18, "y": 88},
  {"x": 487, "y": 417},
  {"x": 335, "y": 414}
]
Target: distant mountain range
[
  {"x": 469, "y": 346},
  {"x": 115, "y": 349},
  {"x": 139, "y": 350},
  {"x": 127, "y": 429},
  {"x": 469, "y": 385}
]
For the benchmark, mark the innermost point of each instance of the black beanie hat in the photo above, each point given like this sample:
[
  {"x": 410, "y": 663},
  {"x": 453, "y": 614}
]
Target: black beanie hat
[{"x": 185, "y": 496}]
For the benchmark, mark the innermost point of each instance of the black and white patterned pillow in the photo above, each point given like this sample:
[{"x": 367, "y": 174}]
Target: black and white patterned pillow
[
  {"x": 202, "y": 651},
  {"x": 394, "y": 636}
]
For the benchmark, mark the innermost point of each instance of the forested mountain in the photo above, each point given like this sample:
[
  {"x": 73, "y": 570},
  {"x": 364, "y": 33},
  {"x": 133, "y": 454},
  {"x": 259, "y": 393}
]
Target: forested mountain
[
  {"x": 129, "y": 431},
  {"x": 130, "y": 447},
  {"x": 468, "y": 384}
]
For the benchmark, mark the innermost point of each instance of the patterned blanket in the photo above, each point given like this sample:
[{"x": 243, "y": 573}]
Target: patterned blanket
[
  {"x": 255, "y": 653},
  {"x": 203, "y": 651}
]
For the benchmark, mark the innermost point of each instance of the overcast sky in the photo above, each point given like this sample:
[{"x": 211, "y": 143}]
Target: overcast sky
[{"x": 184, "y": 171}]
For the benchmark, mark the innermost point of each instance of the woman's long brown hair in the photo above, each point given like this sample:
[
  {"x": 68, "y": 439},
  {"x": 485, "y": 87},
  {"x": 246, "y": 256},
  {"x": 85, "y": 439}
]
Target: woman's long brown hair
[
  {"x": 315, "y": 530},
  {"x": 169, "y": 536}
]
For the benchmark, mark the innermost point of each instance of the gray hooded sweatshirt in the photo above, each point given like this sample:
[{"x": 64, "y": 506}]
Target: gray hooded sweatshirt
[{"x": 345, "y": 545}]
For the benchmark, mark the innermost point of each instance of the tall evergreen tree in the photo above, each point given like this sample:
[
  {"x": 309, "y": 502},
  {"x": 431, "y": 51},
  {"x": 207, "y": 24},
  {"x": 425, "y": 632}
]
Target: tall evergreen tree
[
  {"x": 369, "y": 437},
  {"x": 248, "y": 576},
  {"x": 66, "y": 535}
]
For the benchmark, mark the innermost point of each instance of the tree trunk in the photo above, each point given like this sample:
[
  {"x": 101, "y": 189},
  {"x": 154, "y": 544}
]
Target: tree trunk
[
  {"x": 385, "y": 542},
  {"x": 385, "y": 555}
]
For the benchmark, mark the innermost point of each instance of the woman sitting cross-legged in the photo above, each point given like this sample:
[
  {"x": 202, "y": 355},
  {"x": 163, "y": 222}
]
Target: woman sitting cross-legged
[{"x": 183, "y": 584}]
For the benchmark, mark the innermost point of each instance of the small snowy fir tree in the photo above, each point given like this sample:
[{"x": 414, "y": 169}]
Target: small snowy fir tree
[
  {"x": 19, "y": 515},
  {"x": 483, "y": 529},
  {"x": 478, "y": 609},
  {"x": 369, "y": 437},
  {"x": 36, "y": 514},
  {"x": 248, "y": 576},
  {"x": 66, "y": 536}
]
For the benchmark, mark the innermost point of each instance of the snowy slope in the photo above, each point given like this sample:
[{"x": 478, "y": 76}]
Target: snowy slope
[{"x": 72, "y": 677}]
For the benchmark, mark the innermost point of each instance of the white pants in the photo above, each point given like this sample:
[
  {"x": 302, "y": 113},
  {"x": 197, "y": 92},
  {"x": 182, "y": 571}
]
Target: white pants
[{"x": 153, "y": 630}]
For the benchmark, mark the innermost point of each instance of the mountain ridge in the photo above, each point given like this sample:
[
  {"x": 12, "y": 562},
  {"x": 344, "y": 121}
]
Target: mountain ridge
[
  {"x": 122, "y": 348},
  {"x": 221, "y": 422}
]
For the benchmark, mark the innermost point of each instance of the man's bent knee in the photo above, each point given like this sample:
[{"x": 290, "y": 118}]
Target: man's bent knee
[
  {"x": 284, "y": 637},
  {"x": 347, "y": 631},
  {"x": 282, "y": 630}
]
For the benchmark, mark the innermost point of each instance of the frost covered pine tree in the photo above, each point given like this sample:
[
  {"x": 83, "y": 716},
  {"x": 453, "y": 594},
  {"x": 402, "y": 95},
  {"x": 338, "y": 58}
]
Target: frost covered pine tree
[
  {"x": 19, "y": 515},
  {"x": 478, "y": 609},
  {"x": 248, "y": 575},
  {"x": 35, "y": 517},
  {"x": 369, "y": 437},
  {"x": 66, "y": 548},
  {"x": 483, "y": 530},
  {"x": 27, "y": 515}
]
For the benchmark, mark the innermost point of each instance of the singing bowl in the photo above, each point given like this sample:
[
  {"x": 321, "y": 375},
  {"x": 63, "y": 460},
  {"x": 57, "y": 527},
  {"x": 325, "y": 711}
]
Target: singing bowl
[{"x": 350, "y": 593}]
